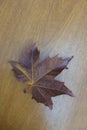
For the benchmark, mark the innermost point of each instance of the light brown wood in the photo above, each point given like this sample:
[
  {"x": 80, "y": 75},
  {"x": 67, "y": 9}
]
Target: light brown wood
[{"x": 58, "y": 26}]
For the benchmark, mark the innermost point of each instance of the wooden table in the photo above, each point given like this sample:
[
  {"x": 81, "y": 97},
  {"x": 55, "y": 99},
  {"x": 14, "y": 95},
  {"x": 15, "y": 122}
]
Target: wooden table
[{"x": 57, "y": 26}]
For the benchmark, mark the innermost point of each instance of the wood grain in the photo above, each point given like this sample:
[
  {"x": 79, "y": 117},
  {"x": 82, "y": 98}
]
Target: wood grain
[{"x": 58, "y": 26}]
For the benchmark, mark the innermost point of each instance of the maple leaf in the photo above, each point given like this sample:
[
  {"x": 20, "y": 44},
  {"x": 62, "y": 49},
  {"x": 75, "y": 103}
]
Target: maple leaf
[{"x": 40, "y": 76}]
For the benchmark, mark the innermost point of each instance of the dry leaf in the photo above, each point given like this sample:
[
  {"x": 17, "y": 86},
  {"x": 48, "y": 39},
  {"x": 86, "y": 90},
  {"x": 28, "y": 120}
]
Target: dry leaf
[{"x": 40, "y": 76}]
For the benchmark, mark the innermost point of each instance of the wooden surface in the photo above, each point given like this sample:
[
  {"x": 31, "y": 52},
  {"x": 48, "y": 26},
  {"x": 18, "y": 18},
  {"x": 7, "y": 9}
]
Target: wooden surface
[{"x": 58, "y": 26}]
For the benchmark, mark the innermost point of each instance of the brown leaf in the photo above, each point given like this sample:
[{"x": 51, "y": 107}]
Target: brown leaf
[{"x": 40, "y": 76}]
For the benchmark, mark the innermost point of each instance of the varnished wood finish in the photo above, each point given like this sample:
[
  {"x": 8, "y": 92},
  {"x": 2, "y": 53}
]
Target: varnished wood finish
[{"x": 58, "y": 26}]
